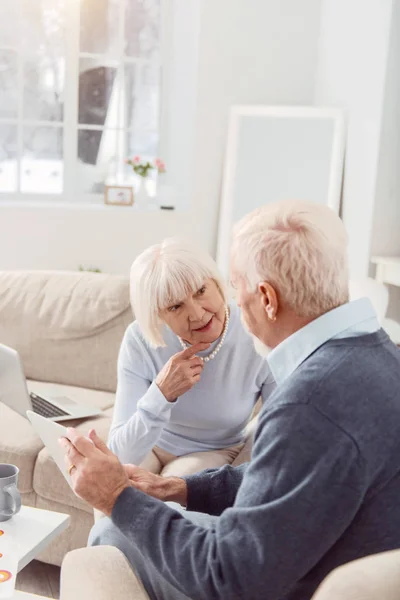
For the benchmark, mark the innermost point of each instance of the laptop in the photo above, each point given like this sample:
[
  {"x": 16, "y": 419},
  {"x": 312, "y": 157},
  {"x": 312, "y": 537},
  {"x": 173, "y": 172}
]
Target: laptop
[{"x": 15, "y": 394}]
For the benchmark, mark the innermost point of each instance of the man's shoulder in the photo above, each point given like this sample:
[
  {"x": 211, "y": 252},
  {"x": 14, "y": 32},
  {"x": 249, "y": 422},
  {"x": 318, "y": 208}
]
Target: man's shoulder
[
  {"x": 353, "y": 385},
  {"x": 345, "y": 365}
]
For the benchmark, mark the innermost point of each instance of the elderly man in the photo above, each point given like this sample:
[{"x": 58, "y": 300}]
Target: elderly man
[{"x": 323, "y": 484}]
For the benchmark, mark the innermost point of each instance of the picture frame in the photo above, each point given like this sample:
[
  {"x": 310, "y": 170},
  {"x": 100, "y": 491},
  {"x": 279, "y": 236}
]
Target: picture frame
[
  {"x": 118, "y": 195},
  {"x": 276, "y": 153}
]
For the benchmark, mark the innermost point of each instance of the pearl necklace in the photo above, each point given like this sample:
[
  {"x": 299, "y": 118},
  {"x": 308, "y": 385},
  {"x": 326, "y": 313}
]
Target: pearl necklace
[{"x": 218, "y": 348}]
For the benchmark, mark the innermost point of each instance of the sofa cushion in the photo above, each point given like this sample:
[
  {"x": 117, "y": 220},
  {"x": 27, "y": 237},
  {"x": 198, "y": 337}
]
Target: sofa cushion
[
  {"x": 19, "y": 445},
  {"x": 67, "y": 326},
  {"x": 48, "y": 481}
]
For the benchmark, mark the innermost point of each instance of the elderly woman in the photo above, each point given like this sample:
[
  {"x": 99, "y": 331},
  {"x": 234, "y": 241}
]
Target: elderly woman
[{"x": 188, "y": 373}]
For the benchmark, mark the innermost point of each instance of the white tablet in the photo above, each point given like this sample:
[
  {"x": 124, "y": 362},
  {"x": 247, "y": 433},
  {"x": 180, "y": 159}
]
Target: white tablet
[{"x": 50, "y": 432}]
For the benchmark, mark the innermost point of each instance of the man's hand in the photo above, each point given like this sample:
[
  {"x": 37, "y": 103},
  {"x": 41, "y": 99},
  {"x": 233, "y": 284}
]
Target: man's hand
[
  {"x": 97, "y": 475},
  {"x": 164, "y": 488}
]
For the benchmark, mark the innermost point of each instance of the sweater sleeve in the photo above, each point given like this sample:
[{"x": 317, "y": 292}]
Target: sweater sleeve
[
  {"x": 141, "y": 410},
  {"x": 303, "y": 466},
  {"x": 213, "y": 490}
]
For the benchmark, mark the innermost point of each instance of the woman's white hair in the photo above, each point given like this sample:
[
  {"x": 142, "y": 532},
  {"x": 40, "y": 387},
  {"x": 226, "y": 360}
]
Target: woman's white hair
[
  {"x": 300, "y": 248},
  {"x": 164, "y": 275}
]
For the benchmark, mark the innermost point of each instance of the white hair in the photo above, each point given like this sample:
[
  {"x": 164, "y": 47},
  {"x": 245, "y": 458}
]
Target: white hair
[
  {"x": 300, "y": 248},
  {"x": 164, "y": 275}
]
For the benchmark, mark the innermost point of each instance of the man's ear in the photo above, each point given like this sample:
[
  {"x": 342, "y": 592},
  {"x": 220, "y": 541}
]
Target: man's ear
[{"x": 269, "y": 299}]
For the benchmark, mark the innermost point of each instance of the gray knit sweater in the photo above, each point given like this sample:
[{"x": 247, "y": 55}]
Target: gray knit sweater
[{"x": 322, "y": 488}]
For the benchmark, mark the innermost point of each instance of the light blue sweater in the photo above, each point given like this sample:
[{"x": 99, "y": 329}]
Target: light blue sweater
[{"x": 212, "y": 415}]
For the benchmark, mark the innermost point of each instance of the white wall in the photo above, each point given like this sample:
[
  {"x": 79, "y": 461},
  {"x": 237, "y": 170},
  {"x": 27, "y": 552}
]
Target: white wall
[
  {"x": 386, "y": 222},
  {"x": 258, "y": 51},
  {"x": 351, "y": 73}
]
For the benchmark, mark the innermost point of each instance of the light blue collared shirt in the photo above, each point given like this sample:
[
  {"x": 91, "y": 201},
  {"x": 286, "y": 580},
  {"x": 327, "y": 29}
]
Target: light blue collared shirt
[{"x": 349, "y": 320}]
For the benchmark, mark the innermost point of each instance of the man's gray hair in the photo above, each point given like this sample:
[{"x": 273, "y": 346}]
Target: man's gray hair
[{"x": 300, "y": 248}]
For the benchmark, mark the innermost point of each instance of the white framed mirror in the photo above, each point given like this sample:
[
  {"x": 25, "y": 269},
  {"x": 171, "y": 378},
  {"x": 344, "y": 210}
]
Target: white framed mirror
[{"x": 275, "y": 153}]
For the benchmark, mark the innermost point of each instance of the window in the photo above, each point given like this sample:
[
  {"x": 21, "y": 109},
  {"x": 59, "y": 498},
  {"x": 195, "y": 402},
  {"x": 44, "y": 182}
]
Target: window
[{"x": 80, "y": 88}]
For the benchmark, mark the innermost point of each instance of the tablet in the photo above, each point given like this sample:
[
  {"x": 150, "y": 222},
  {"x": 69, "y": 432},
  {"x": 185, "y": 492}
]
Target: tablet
[{"x": 50, "y": 432}]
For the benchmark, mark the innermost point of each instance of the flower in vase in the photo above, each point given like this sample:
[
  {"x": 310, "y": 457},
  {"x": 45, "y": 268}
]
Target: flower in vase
[
  {"x": 159, "y": 165},
  {"x": 143, "y": 167}
]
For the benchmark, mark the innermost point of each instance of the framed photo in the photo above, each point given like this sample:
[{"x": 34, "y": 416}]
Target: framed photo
[{"x": 118, "y": 195}]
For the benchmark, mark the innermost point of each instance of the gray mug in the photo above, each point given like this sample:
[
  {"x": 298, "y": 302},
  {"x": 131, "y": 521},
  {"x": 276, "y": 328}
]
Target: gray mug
[{"x": 10, "y": 499}]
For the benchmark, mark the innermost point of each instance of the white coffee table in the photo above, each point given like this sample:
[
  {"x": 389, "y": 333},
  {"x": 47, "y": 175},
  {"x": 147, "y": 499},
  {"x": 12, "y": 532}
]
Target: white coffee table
[{"x": 31, "y": 530}]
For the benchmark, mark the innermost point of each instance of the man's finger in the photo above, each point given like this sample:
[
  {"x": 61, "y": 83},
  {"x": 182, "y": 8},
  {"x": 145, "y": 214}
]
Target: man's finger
[
  {"x": 72, "y": 455},
  {"x": 81, "y": 443},
  {"x": 99, "y": 443},
  {"x": 191, "y": 351}
]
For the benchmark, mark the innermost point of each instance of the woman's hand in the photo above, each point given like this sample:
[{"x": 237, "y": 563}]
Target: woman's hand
[{"x": 181, "y": 372}]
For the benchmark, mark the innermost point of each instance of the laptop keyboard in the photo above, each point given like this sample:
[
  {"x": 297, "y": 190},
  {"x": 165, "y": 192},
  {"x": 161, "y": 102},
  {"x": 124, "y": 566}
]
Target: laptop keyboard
[{"x": 46, "y": 409}]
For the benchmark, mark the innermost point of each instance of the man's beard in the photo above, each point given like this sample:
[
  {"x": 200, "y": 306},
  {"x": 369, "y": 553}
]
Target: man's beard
[{"x": 259, "y": 346}]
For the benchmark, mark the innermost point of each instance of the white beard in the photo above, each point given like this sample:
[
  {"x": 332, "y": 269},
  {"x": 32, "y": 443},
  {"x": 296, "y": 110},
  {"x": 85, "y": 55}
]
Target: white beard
[{"x": 259, "y": 346}]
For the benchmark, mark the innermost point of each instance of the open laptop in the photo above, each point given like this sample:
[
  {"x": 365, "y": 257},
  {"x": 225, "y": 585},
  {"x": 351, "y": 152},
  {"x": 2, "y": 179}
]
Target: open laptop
[{"x": 14, "y": 392}]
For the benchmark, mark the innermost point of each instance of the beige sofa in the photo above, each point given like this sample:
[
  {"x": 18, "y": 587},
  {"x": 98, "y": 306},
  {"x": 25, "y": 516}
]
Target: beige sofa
[
  {"x": 104, "y": 573},
  {"x": 67, "y": 328}
]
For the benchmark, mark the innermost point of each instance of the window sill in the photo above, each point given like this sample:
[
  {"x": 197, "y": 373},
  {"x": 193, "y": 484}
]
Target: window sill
[{"x": 86, "y": 206}]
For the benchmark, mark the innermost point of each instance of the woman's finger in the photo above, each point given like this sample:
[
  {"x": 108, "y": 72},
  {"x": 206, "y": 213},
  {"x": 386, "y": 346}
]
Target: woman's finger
[
  {"x": 196, "y": 371},
  {"x": 196, "y": 362},
  {"x": 191, "y": 351}
]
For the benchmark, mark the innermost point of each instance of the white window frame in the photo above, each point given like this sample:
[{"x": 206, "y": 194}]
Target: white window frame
[
  {"x": 180, "y": 46},
  {"x": 70, "y": 125}
]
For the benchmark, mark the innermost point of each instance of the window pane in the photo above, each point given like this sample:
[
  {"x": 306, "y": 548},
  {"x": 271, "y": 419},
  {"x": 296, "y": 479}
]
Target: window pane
[
  {"x": 142, "y": 24},
  {"x": 100, "y": 26},
  {"x": 42, "y": 162},
  {"x": 43, "y": 88},
  {"x": 98, "y": 93},
  {"x": 97, "y": 158},
  {"x": 144, "y": 144},
  {"x": 9, "y": 31},
  {"x": 44, "y": 59},
  {"x": 8, "y": 158},
  {"x": 43, "y": 27},
  {"x": 8, "y": 84},
  {"x": 142, "y": 101}
]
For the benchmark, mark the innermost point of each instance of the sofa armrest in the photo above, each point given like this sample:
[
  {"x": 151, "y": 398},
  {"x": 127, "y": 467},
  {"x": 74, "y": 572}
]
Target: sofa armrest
[
  {"x": 369, "y": 578},
  {"x": 100, "y": 572}
]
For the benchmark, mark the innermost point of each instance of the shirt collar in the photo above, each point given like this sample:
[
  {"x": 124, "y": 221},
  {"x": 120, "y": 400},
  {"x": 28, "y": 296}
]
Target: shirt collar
[{"x": 289, "y": 354}]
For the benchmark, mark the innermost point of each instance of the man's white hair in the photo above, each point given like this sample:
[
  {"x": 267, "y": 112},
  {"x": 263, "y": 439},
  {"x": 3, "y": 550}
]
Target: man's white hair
[
  {"x": 300, "y": 248},
  {"x": 164, "y": 275}
]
